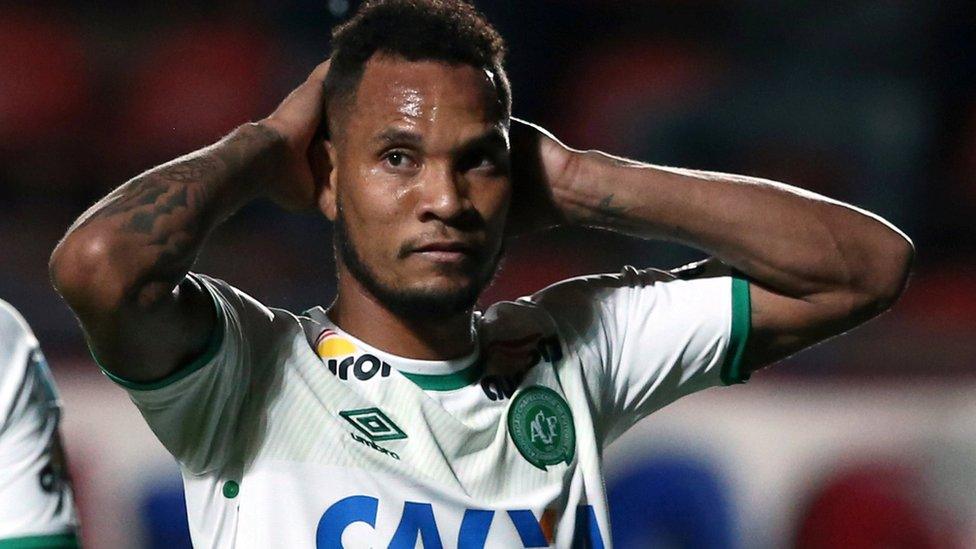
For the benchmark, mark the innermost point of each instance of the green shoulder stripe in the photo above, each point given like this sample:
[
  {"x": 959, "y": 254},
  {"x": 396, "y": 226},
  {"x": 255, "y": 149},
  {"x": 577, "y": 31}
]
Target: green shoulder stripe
[
  {"x": 732, "y": 369},
  {"x": 213, "y": 347},
  {"x": 54, "y": 541}
]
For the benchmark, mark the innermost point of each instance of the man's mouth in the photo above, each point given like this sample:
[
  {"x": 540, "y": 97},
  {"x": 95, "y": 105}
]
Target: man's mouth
[{"x": 445, "y": 251}]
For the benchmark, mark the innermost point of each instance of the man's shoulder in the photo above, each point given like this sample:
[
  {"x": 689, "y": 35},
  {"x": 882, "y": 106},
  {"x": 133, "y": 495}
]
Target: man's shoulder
[
  {"x": 578, "y": 298},
  {"x": 240, "y": 300},
  {"x": 509, "y": 319},
  {"x": 579, "y": 310},
  {"x": 595, "y": 286},
  {"x": 267, "y": 332}
]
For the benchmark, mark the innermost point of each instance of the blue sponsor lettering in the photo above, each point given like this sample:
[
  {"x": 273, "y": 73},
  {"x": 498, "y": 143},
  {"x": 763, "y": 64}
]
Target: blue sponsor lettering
[
  {"x": 474, "y": 528},
  {"x": 528, "y": 528},
  {"x": 587, "y": 532},
  {"x": 340, "y": 515},
  {"x": 417, "y": 522}
]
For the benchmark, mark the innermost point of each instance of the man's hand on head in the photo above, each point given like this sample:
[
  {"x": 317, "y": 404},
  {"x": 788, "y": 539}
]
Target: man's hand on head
[
  {"x": 305, "y": 163},
  {"x": 541, "y": 166}
]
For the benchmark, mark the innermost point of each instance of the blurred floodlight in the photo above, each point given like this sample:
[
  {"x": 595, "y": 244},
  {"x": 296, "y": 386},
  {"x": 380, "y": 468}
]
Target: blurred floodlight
[{"x": 338, "y": 8}]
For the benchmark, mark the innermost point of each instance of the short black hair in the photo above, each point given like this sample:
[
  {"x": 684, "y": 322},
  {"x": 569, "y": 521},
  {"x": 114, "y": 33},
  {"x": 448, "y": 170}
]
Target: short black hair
[{"x": 452, "y": 31}]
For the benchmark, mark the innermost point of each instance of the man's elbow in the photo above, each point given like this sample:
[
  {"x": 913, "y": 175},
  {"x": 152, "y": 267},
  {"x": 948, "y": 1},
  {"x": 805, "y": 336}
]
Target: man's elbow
[
  {"x": 890, "y": 272},
  {"x": 80, "y": 270}
]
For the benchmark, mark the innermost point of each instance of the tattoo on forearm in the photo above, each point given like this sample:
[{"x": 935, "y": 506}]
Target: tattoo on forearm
[
  {"x": 144, "y": 221},
  {"x": 157, "y": 193},
  {"x": 606, "y": 211},
  {"x": 193, "y": 170}
]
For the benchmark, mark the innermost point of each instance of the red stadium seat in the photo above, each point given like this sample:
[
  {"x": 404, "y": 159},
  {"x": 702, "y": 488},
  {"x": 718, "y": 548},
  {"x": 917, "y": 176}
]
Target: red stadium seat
[
  {"x": 194, "y": 85},
  {"x": 44, "y": 78},
  {"x": 872, "y": 507}
]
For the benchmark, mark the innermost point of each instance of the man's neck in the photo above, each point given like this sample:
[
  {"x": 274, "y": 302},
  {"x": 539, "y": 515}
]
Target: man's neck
[{"x": 360, "y": 314}]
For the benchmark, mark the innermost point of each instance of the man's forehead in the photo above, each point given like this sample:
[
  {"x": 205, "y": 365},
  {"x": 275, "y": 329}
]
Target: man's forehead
[{"x": 424, "y": 92}]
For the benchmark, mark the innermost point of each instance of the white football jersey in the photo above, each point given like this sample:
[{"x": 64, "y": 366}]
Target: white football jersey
[
  {"x": 291, "y": 432},
  {"x": 36, "y": 503}
]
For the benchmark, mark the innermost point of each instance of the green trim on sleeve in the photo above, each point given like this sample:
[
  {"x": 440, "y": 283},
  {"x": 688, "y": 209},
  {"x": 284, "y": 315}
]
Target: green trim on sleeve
[
  {"x": 447, "y": 382},
  {"x": 54, "y": 541},
  {"x": 732, "y": 369},
  {"x": 213, "y": 347}
]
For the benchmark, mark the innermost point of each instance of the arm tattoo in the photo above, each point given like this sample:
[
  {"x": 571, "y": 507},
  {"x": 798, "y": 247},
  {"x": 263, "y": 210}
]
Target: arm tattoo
[
  {"x": 157, "y": 193},
  {"x": 607, "y": 212}
]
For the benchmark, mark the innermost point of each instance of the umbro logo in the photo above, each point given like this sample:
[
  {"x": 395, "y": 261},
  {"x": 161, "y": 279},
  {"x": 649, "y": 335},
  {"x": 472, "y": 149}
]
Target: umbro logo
[{"x": 373, "y": 423}]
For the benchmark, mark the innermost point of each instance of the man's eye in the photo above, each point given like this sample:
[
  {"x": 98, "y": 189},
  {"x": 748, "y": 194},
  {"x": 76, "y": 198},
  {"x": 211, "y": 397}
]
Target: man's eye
[
  {"x": 480, "y": 162},
  {"x": 399, "y": 160}
]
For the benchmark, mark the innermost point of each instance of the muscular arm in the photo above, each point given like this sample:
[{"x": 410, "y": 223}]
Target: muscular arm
[
  {"x": 817, "y": 267},
  {"x": 122, "y": 265}
]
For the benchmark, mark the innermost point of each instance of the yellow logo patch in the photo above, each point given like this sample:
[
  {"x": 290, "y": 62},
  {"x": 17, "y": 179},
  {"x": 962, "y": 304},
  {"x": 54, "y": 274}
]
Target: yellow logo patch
[{"x": 333, "y": 345}]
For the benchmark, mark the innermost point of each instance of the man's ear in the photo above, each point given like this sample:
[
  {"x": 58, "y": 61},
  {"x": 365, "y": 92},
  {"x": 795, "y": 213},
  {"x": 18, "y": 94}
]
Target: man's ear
[{"x": 327, "y": 192}]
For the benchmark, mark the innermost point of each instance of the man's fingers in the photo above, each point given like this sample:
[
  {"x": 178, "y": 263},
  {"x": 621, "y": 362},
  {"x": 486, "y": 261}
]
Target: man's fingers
[
  {"x": 299, "y": 116},
  {"x": 318, "y": 75},
  {"x": 311, "y": 89},
  {"x": 305, "y": 100}
]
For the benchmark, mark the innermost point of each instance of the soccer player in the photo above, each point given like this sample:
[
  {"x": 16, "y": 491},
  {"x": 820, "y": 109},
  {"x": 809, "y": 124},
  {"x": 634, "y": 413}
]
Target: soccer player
[
  {"x": 36, "y": 504},
  {"x": 400, "y": 415}
]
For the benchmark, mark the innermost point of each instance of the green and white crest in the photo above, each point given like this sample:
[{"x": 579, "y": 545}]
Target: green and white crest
[{"x": 541, "y": 426}]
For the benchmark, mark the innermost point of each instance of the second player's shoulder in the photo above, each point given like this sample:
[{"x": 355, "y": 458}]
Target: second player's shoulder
[
  {"x": 16, "y": 337},
  {"x": 13, "y": 327},
  {"x": 18, "y": 349}
]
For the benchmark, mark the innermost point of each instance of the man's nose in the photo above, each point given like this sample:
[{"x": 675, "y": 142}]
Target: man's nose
[{"x": 443, "y": 195}]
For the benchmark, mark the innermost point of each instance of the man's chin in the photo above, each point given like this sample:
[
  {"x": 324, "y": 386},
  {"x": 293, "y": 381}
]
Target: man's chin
[
  {"x": 432, "y": 302},
  {"x": 430, "y": 288}
]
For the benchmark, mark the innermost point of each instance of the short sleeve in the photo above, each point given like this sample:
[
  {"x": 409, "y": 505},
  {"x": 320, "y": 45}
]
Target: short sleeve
[
  {"x": 649, "y": 338},
  {"x": 195, "y": 411},
  {"x": 36, "y": 501}
]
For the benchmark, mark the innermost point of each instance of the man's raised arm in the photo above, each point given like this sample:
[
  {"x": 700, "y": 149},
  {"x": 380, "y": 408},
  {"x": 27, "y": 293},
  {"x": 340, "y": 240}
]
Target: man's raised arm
[
  {"x": 817, "y": 267},
  {"x": 122, "y": 265}
]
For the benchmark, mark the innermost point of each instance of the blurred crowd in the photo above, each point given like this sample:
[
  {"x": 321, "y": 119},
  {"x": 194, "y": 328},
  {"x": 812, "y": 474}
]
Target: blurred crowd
[{"x": 869, "y": 102}]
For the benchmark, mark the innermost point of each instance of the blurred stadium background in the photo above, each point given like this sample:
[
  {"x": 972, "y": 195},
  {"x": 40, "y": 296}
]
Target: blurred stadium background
[{"x": 866, "y": 441}]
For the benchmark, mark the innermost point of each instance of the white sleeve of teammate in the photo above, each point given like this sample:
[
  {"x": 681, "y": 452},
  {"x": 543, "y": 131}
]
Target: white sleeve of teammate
[
  {"x": 194, "y": 411},
  {"x": 36, "y": 503},
  {"x": 650, "y": 338}
]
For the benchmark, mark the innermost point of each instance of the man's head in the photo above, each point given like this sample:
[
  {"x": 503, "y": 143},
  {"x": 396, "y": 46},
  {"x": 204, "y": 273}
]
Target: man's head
[
  {"x": 449, "y": 31},
  {"x": 418, "y": 110}
]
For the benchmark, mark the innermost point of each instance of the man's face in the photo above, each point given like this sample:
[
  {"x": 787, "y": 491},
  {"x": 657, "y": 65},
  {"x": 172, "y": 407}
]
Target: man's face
[{"x": 421, "y": 185}]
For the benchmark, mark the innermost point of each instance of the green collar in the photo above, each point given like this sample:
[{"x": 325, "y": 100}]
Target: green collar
[{"x": 447, "y": 382}]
